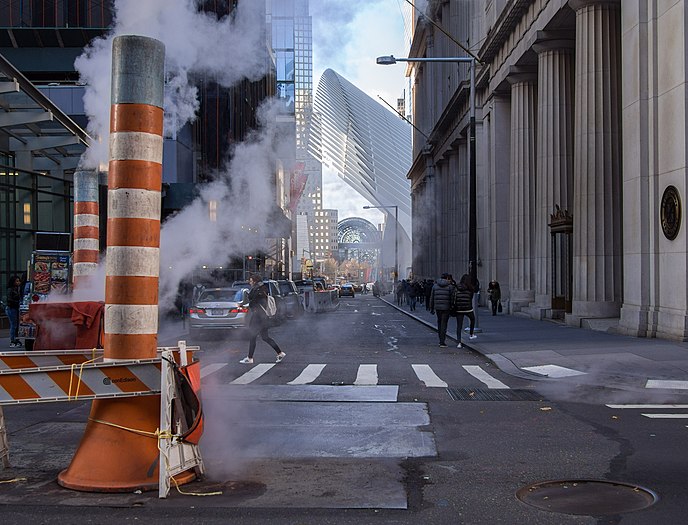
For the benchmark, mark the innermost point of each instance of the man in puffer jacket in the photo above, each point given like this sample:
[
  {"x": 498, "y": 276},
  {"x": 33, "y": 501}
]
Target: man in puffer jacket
[
  {"x": 463, "y": 306},
  {"x": 440, "y": 303}
]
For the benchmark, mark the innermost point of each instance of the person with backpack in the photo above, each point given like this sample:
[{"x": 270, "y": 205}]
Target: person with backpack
[
  {"x": 261, "y": 309},
  {"x": 463, "y": 306}
]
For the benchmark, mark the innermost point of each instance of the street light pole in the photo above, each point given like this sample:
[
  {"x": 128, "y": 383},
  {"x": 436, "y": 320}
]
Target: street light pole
[
  {"x": 472, "y": 182},
  {"x": 396, "y": 235}
]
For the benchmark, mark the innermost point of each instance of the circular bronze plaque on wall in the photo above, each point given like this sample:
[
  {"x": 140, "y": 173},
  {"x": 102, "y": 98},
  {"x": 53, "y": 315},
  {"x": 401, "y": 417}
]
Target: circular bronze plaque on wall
[{"x": 670, "y": 212}]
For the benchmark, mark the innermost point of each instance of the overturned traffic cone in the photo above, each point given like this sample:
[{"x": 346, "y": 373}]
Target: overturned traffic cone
[{"x": 119, "y": 449}]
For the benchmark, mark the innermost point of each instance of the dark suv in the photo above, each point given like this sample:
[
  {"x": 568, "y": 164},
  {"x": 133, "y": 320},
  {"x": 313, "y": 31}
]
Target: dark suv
[{"x": 291, "y": 300}]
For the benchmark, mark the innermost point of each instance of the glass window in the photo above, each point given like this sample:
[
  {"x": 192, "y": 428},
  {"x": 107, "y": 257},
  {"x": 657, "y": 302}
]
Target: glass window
[
  {"x": 283, "y": 8},
  {"x": 285, "y": 65},
  {"x": 282, "y": 34}
]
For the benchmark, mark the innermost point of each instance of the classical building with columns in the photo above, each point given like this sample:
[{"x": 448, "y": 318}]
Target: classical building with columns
[{"x": 580, "y": 164}]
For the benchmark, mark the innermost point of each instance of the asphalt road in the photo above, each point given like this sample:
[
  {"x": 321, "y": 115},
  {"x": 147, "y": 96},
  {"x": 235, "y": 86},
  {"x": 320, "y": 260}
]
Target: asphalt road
[{"x": 367, "y": 420}]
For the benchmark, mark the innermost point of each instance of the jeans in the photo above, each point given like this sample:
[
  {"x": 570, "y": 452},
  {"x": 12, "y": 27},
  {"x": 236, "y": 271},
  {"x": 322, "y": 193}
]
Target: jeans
[
  {"x": 442, "y": 321},
  {"x": 13, "y": 316},
  {"x": 459, "y": 323}
]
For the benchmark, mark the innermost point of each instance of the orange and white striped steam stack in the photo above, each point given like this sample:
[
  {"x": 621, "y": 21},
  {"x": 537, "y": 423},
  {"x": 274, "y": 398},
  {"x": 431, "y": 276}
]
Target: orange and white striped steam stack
[
  {"x": 134, "y": 198},
  {"x": 86, "y": 226}
]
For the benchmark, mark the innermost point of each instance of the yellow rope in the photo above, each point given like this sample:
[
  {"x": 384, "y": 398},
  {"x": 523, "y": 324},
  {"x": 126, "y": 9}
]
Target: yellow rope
[
  {"x": 134, "y": 430},
  {"x": 71, "y": 377},
  {"x": 15, "y": 480},
  {"x": 160, "y": 435}
]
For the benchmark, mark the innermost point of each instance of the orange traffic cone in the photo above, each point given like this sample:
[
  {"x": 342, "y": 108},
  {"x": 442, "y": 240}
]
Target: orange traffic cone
[{"x": 119, "y": 449}]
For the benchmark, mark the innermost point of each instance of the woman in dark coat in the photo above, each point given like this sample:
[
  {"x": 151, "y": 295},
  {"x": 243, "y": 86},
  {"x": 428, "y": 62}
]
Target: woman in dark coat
[
  {"x": 259, "y": 322},
  {"x": 12, "y": 308},
  {"x": 463, "y": 306},
  {"x": 494, "y": 294}
]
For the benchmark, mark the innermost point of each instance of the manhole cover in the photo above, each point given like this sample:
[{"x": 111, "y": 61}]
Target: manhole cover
[{"x": 587, "y": 497}]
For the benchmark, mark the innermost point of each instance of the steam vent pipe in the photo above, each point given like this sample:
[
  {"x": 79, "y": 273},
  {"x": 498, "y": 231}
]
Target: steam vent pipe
[
  {"x": 86, "y": 226},
  {"x": 119, "y": 449},
  {"x": 134, "y": 194}
]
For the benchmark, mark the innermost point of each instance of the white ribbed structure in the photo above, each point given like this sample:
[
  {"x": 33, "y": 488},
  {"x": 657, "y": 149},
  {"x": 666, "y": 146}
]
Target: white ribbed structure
[{"x": 368, "y": 145}]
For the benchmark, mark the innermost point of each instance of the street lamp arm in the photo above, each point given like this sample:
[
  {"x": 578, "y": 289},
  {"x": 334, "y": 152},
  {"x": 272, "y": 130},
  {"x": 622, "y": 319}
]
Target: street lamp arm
[{"x": 388, "y": 60}]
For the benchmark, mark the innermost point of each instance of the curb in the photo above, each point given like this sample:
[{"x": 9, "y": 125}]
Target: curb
[{"x": 502, "y": 363}]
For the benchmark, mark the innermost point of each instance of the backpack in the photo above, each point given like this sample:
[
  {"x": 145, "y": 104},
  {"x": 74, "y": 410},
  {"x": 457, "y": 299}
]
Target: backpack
[{"x": 271, "y": 308}]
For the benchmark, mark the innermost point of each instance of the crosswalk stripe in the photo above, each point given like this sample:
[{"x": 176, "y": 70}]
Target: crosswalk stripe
[
  {"x": 367, "y": 375},
  {"x": 427, "y": 376},
  {"x": 664, "y": 383},
  {"x": 554, "y": 371},
  {"x": 666, "y": 416},
  {"x": 252, "y": 374},
  {"x": 484, "y": 377},
  {"x": 211, "y": 368},
  {"x": 646, "y": 407},
  {"x": 309, "y": 374}
]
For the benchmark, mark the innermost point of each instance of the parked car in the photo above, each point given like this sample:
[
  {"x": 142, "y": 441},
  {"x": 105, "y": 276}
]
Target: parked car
[
  {"x": 218, "y": 309},
  {"x": 347, "y": 289},
  {"x": 291, "y": 301}
]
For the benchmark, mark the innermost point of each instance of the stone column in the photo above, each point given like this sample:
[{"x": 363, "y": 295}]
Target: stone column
[
  {"x": 498, "y": 145},
  {"x": 597, "y": 230},
  {"x": 554, "y": 184},
  {"x": 522, "y": 186}
]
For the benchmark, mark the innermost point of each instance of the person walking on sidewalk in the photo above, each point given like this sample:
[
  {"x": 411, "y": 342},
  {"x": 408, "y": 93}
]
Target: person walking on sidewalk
[
  {"x": 463, "y": 306},
  {"x": 259, "y": 322},
  {"x": 494, "y": 294},
  {"x": 440, "y": 303},
  {"x": 12, "y": 309}
]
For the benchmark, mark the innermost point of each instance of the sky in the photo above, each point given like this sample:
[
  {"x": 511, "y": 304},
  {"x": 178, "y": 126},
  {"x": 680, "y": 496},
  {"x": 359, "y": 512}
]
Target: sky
[{"x": 348, "y": 35}]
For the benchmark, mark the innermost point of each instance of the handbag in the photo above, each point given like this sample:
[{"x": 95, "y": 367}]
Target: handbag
[{"x": 499, "y": 306}]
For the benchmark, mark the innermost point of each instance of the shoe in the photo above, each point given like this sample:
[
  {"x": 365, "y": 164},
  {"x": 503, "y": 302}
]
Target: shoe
[
  {"x": 472, "y": 336},
  {"x": 13, "y": 345},
  {"x": 247, "y": 361},
  {"x": 280, "y": 356},
  {"x": 459, "y": 345},
  {"x": 442, "y": 345}
]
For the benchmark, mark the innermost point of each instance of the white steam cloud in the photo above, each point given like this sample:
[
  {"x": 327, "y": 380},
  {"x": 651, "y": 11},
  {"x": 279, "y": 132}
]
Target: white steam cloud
[
  {"x": 242, "y": 201},
  {"x": 196, "y": 43},
  {"x": 225, "y": 51}
]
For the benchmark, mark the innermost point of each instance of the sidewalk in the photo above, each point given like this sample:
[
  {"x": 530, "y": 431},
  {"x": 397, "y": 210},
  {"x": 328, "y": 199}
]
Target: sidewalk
[{"x": 546, "y": 350}]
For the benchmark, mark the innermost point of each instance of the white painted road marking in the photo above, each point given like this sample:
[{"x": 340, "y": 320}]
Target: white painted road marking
[
  {"x": 211, "y": 368},
  {"x": 427, "y": 376},
  {"x": 252, "y": 374},
  {"x": 309, "y": 374},
  {"x": 554, "y": 371},
  {"x": 484, "y": 377},
  {"x": 662, "y": 383},
  {"x": 646, "y": 407},
  {"x": 666, "y": 416},
  {"x": 367, "y": 375}
]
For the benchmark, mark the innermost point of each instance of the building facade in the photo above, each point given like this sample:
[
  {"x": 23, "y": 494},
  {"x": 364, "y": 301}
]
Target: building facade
[
  {"x": 369, "y": 146},
  {"x": 581, "y": 156}
]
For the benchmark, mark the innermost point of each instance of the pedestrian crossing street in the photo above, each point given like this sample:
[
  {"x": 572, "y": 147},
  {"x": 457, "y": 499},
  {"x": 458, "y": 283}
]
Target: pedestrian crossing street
[{"x": 366, "y": 375}]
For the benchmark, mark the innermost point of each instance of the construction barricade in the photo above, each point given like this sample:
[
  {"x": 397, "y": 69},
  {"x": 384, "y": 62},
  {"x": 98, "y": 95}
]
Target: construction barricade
[
  {"x": 77, "y": 375},
  {"x": 316, "y": 301}
]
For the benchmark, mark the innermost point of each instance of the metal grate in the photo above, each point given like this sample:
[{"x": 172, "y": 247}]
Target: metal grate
[{"x": 484, "y": 394}]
